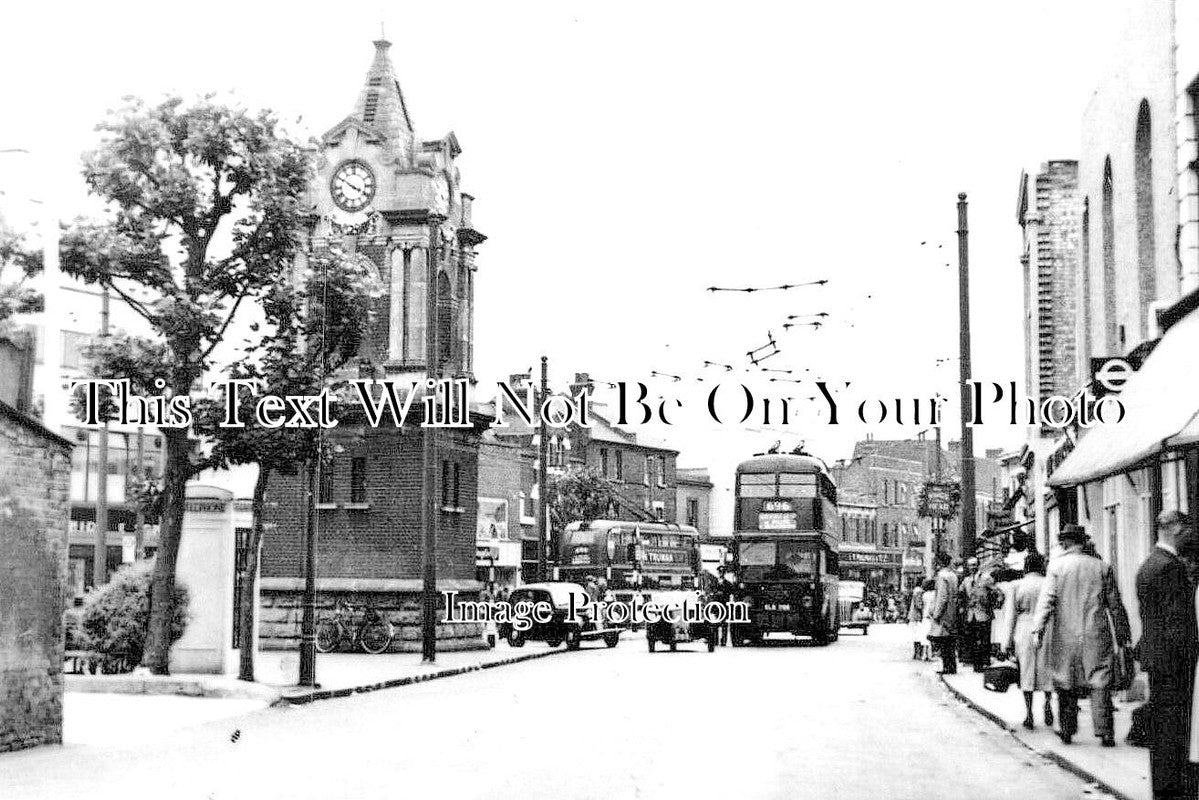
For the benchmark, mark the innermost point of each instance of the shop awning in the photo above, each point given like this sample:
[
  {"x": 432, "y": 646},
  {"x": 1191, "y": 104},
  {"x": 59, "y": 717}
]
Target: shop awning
[{"x": 1161, "y": 402}]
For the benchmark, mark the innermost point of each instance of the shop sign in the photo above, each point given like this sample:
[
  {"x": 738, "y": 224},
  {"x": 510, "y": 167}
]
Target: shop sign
[
  {"x": 1110, "y": 374},
  {"x": 939, "y": 500},
  {"x": 887, "y": 559}
]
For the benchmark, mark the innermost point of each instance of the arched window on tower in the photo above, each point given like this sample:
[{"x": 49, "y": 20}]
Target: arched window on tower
[
  {"x": 1110, "y": 322},
  {"x": 446, "y": 328},
  {"x": 415, "y": 283},
  {"x": 1146, "y": 246}
]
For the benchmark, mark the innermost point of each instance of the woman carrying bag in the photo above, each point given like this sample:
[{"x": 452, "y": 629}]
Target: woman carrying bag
[{"x": 1035, "y": 672}]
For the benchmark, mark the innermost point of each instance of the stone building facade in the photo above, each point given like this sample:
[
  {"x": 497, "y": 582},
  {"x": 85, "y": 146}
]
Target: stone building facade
[
  {"x": 1137, "y": 281},
  {"x": 887, "y": 475},
  {"x": 395, "y": 200},
  {"x": 34, "y": 489},
  {"x": 506, "y": 539},
  {"x": 694, "y": 501}
]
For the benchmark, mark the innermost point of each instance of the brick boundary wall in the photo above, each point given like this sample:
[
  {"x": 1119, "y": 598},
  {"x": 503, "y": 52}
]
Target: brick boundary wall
[
  {"x": 34, "y": 514},
  {"x": 281, "y": 614}
]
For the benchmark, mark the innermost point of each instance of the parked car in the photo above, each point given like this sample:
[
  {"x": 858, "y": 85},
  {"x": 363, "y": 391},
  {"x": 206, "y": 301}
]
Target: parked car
[{"x": 562, "y": 626}]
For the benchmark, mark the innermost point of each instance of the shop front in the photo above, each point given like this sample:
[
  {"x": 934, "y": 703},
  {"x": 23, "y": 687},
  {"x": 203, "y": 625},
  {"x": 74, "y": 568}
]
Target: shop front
[
  {"x": 876, "y": 569},
  {"x": 1120, "y": 476},
  {"x": 497, "y": 556}
]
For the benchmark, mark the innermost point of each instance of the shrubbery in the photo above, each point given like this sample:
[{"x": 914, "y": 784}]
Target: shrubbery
[{"x": 117, "y": 615}]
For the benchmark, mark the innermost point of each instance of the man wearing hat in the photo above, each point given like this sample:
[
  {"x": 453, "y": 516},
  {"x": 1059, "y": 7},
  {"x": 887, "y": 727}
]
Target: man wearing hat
[
  {"x": 1168, "y": 648},
  {"x": 1077, "y": 612}
]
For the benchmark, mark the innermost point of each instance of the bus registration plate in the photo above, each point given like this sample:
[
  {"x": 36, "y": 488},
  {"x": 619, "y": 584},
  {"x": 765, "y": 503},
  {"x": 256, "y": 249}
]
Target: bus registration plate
[{"x": 777, "y": 607}]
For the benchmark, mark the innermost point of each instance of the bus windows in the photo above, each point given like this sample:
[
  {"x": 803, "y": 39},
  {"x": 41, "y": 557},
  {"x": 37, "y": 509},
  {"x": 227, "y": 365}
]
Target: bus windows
[
  {"x": 757, "y": 554},
  {"x": 798, "y": 486},
  {"x": 795, "y": 560},
  {"x": 758, "y": 486}
]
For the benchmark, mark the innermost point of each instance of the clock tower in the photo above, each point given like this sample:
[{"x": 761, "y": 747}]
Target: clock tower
[
  {"x": 393, "y": 200},
  {"x": 396, "y": 201}
]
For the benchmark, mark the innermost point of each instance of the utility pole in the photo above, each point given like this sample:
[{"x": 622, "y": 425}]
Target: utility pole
[
  {"x": 429, "y": 460},
  {"x": 100, "y": 553},
  {"x": 542, "y": 491},
  {"x": 969, "y": 529}
]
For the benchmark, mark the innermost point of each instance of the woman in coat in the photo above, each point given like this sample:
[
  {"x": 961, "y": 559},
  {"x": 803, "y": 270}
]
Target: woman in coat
[{"x": 1035, "y": 675}]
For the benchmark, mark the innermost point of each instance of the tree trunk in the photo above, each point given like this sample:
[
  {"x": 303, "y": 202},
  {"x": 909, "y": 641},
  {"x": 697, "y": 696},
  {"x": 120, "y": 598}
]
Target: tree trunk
[
  {"x": 249, "y": 580},
  {"x": 170, "y": 530}
]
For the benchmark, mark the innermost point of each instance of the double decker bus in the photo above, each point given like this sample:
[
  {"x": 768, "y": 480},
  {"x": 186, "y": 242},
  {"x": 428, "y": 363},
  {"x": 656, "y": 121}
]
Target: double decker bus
[
  {"x": 785, "y": 549},
  {"x": 630, "y": 555}
]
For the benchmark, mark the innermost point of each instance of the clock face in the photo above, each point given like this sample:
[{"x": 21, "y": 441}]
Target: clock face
[{"x": 353, "y": 186}]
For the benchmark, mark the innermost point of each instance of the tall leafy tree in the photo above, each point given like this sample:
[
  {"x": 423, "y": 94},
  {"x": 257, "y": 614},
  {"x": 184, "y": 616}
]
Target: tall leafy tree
[
  {"x": 18, "y": 264},
  {"x": 204, "y": 212},
  {"x": 578, "y": 495},
  {"x": 314, "y": 329}
]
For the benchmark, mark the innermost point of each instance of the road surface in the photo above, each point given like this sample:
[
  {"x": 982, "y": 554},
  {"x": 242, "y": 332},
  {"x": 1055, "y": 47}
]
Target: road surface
[{"x": 857, "y": 719}]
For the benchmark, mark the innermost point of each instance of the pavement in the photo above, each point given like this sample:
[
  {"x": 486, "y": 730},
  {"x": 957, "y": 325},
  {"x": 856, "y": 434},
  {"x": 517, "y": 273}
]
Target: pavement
[
  {"x": 341, "y": 674},
  {"x": 1122, "y": 771},
  {"x": 856, "y": 719}
]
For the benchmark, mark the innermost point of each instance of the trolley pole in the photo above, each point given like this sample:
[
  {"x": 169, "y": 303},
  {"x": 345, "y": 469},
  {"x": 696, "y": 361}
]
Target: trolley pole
[
  {"x": 969, "y": 528},
  {"x": 542, "y": 490}
]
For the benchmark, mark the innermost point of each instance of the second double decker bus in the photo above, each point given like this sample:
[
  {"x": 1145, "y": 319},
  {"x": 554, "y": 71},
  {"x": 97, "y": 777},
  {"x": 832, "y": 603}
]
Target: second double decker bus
[
  {"x": 630, "y": 555},
  {"x": 786, "y": 542}
]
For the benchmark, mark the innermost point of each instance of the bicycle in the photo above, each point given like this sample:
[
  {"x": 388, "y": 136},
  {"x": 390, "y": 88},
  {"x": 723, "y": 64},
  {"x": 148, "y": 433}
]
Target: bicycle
[{"x": 373, "y": 634}]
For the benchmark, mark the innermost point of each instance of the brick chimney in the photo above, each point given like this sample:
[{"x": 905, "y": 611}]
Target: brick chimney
[
  {"x": 518, "y": 380},
  {"x": 582, "y": 382}
]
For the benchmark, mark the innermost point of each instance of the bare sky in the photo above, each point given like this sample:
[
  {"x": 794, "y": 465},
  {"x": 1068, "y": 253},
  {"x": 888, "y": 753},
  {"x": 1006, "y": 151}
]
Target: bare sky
[{"x": 627, "y": 155}]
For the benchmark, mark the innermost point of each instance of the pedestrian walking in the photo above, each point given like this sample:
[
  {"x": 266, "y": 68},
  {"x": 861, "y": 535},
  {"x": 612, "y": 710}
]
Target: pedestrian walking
[
  {"x": 978, "y": 604},
  {"x": 1077, "y": 613},
  {"x": 916, "y": 624},
  {"x": 1035, "y": 673},
  {"x": 1168, "y": 649},
  {"x": 945, "y": 615}
]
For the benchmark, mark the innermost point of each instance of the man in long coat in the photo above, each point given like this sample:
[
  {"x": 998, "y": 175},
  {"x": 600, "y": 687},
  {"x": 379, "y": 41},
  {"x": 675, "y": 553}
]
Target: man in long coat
[
  {"x": 1168, "y": 649},
  {"x": 1077, "y": 611},
  {"x": 945, "y": 616}
]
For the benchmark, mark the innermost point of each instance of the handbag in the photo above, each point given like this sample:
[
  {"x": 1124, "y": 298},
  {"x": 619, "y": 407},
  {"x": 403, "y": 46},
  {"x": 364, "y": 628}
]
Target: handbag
[
  {"x": 1124, "y": 669},
  {"x": 999, "y": 677}
]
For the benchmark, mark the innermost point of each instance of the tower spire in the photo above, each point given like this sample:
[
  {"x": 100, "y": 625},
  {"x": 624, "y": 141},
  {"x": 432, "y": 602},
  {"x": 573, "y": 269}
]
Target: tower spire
[{"x": 381, "y": 103}]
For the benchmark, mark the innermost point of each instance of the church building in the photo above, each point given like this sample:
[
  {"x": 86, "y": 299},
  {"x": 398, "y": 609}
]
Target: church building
[{"x": 395, "y": 200}]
